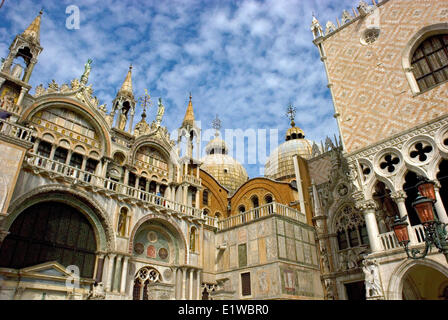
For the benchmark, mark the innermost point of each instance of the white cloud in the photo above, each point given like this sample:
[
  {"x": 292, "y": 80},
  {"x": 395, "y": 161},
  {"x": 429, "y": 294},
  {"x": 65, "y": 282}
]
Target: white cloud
[{"x": 245, "y": 60}]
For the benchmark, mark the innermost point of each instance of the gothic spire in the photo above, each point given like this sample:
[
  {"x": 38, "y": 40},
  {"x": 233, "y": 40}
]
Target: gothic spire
[
  {"x": 126, "y": 87},
  {"x": 189, "y": 115},
  {"x": 33, "y": 30}
]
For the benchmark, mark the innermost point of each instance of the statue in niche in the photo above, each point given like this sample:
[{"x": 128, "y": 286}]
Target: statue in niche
[
  {"x": 122, "y": 120},
  {"x": 122, "y": 223},
  {"x": 372, "y": 278},
  {"x": 160, "y": 112}
]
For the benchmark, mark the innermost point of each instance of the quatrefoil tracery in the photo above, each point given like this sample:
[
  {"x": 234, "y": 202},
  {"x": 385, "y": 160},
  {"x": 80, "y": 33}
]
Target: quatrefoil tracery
[
  {"x": 389, "y": 162},
  {"x": 421, "y": 151}
]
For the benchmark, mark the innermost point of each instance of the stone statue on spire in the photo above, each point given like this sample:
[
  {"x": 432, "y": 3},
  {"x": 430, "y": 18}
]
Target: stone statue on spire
[
  {"x": 87, "y": 68},
  {"x": 160, "y": 112}
]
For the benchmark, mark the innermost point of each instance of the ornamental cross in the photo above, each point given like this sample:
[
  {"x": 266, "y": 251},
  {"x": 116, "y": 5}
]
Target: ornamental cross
[
  {"x": 291, "y": 112},
  {"x": 145, "y": 100},
  {"x": 216, "y": 123}
]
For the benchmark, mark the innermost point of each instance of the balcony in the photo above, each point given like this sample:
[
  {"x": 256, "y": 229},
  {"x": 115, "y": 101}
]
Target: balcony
[
  {"x": 86, "y": 179},
  {"x": 15, "y": 133},
  {"x": 191, "y": 179},
  {"x": 260, "y": 212},
  {"x": 390, "y": 242}
]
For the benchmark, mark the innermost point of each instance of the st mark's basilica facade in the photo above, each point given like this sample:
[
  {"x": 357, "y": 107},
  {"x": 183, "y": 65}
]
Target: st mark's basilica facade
[{"x": 95, "y": 207}]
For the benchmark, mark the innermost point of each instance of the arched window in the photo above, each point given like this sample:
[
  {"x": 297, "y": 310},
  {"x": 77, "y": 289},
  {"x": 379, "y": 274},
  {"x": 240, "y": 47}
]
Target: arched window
[
  {"x": 205, "y": 197},
  {"x": 218, "y": 215},
  {"x": 50, "y": 231},
  {"x": 241, "y": 209},
  {"x": 255, "y": 204},
  {"x": 430, "y": 62},
  {"x": 193, "y": 237},
  {"x": 350, "y": 228},
  {"x": 268, "y": 199}
]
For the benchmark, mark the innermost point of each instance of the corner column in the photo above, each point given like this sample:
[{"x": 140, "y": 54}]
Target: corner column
[
  {"x": 368, "y": 207},
  {"x": 400, "y": 197}
]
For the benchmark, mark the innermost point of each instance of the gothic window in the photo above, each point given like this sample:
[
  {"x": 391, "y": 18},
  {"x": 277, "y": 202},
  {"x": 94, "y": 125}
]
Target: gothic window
[
  {"x": 430, "y": 62},
  {"x": 268, "y": 199},
  {"x": 143, "y": 278},
  {"x": 205, "y": 197},
  {"x": 350, "y": 228},
  {"x": 50, "y": 231}
]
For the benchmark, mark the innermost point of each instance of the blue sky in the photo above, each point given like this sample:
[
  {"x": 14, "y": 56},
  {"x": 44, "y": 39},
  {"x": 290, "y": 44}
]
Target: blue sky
[{"x": 244, "y": 60}]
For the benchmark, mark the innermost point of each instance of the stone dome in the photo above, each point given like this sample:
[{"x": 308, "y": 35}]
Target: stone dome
[
  {"x": 280, "y": 165},
  {"x": 226, "y": 170}
]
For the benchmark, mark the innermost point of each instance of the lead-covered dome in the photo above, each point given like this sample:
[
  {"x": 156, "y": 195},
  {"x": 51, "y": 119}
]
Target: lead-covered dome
[
  {"x": 227, "y": 171},
  {"x": 280, "y": 165}
]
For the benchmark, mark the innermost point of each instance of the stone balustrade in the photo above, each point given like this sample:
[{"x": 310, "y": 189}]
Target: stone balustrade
[
  {"x": 257, "y": 213},
  {"x": 90, "y": 179},
  {"x": 13, "y": 130},
  {"x": 389, "y": 241}
]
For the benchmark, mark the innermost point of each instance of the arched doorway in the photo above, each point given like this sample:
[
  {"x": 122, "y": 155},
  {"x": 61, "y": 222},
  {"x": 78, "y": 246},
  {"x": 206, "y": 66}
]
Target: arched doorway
[
  {"x": 421, "y": 282},
  {"x": 50, "y": 231}
]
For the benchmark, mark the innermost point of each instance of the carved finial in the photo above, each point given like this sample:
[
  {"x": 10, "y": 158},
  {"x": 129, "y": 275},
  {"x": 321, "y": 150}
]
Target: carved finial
[{"x": 291, "y": 113}]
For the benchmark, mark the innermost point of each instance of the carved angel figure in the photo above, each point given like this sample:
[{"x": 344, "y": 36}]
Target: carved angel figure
[
  {"x": 372, "y": 279},
  {"x": 160, "y": 112}
]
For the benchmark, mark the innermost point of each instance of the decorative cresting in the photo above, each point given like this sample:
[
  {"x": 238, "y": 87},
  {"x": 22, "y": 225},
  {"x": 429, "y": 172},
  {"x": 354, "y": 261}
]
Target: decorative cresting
[
  {"x": 77, "y": 198},
  {"x": 420, "y": 150}
]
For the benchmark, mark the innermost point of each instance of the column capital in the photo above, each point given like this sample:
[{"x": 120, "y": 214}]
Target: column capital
[
  {"x": 366, "y": 205},
  {"x": 399, "y": 196}
]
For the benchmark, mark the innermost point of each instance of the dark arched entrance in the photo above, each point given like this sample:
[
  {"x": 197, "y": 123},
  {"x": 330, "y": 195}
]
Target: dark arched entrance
[{"x": 50, "y": 231}]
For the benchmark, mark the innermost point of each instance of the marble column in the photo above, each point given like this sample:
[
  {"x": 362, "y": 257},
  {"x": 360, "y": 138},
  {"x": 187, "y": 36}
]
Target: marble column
[
  {"x": 110, "y": 272},
  {"x": 184, "y": 283},
  {"x": 368, "y": 207},
  {"x": 185, "y": 195},
  {"x": 117, "y": 274},
  {"x": 191, "y": 283},
  {"x": 440, "y": 208},
  {"x": 299, "y": 184},
  {"x": 198, "y": 284},
  {"x": 36, "y": 145},
  {"x": 99, "y": 268},
  {"x": 124, "y": 275},
  {"x": 400, "y": 197},
  {"x": 21, "y": 96},
  {"x": 197, "y": 199}
]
